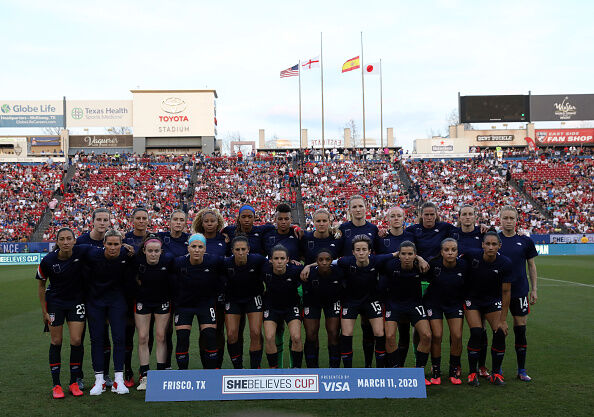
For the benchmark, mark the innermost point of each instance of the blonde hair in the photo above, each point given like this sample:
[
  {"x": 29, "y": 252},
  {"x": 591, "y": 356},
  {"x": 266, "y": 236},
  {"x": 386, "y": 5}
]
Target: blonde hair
[
  {"x": 353, "y": 198},
  {"x": 197, "y": 222},
  {"x": 322, "y": 211},
  {"x": 508, "y": 208}
]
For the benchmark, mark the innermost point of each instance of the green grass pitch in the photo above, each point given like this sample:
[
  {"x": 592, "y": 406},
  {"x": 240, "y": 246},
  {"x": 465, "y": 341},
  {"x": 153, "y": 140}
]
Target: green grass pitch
[{"x": 560, "y": 361}]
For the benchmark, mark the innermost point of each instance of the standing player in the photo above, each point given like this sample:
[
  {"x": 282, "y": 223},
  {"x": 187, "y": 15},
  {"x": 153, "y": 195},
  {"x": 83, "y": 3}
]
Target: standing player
[
  {"x": 401, "y": 282},
  {"x": 445, "y": 297},
  {"x": 395, "y": 235},
  {"x": 521, "y": 251},
  {"x": 322, "y": 291},
  {"x": 283, "y": 234},
  {"x": 197, "y": 286},
  {"x": 488, "y": 294},
  {"x": 361, "y": 297},
  {"x": 152, "y": 300},
  {"x": 243, "y": 295},
  {"x": 244, "y": 226},
  {"x": 357, "y": 225},
  {"x": 63, "y": 301},
  {"x": 321, "y": 238},
  {"x": 281, "y": 304}
]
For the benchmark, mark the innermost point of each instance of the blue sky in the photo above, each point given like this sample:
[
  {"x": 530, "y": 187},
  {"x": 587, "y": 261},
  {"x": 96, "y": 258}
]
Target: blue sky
[{"x": 430, "y": 50}]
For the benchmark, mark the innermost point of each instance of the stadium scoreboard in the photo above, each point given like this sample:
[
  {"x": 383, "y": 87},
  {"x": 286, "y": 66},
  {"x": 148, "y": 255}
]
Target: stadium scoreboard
[{"x": 500, "y": 108}]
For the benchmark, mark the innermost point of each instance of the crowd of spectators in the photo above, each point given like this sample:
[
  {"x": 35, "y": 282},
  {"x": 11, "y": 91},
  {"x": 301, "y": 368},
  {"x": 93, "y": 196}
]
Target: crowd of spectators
[{"x": 25, "y": 191}]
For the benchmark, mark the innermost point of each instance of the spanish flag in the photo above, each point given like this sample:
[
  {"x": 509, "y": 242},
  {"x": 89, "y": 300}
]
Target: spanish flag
[{"x": 351, "y": 64}]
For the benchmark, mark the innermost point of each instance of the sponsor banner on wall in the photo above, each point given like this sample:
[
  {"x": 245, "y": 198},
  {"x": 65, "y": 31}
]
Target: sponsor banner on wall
[
  {"x": 21, "y": 258},
  {"x": 173, "y": 113},
  {"x": 495, "y": 138},
  {"x": 101, "y": 141},
  {"x": 564, "y": 136},
  {"x": 35, "y": 113},
  {"x": 328, "y": 143},
  {"x": 561, "y": 107},
  {"x": 442, "y": 146},
  {"x": 271, "y": 384},
  {"x": 26, "y": 247},
  {"x": 575, "y": 238},
  {"x": 99, "y": 113},
  {"x": 45, "y": 141}
]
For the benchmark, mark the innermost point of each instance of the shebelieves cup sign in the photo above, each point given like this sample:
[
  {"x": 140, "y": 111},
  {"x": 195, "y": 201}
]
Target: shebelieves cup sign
[{"x": 270, "y": 384}]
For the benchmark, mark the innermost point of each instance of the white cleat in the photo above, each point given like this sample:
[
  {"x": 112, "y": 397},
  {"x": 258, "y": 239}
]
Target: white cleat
[
  {"x": 142, "y": 384},
  {"x": 97, "y": 389},
  {"x": 119, "y": 388}
]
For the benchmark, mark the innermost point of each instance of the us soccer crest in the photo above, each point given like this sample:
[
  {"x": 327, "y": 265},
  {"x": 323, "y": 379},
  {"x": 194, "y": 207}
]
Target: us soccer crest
[
  {"x": 311, "y": 244},
  {"x": 468, "y": 303},
  {"x": 266, "y": 313},
  {"x": 306, "y": 311},
  {"x": 176, "y": 318},
  {"x": 345, "y": 311},
  {"x": 138, "y": 306},
  {"x": 429, "y": 312},
  {"x": 52, "y": 318},
  {"x": 227, "y": 306},
  {"x": 347, "y": 233},
  {"x": 388, "y": 314},
  {"x": 387, "y": 243}
]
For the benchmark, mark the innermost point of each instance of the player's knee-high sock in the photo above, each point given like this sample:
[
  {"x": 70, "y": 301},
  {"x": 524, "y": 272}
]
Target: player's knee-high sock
[
  {"x": 182, "y": 354},
  {"x": 255, "y": 358},
  {"x": 421, "y": 359},
  {"x": 484, "y": 348},
  {"x": 334, "y": 356},
  {"x": 235, "y": 354},
  {"x": 312, "y": 352},
  {"x": 392, "y": 359},
  {"x": 346, "y": 350},
  {"x": 436, "y": 365},
  {"x": 474, "y": 349},
  {"x": 497, "y": 350},
  {"x": 380, "y": 351},
  {"x": 296, "y": 359},
  {"x": 210, "y": 347},
  {"x": 143, "y": 370},
  {"x": 521, "y": 343},
  {"x": 169, "y": 341},
  {"x": 454, "y": 364},
  {"x": 403, "y": 343},
  {"x": 128, "y": 350},
  {"x": 368, "y": 343},
  {"x": 55, "y": 362},
  {"x": 76, "y": 354},
  {"x": 161, "y": 366},
  {"x": 272, "y": 360},
  {"x": 280, "y": 344}
]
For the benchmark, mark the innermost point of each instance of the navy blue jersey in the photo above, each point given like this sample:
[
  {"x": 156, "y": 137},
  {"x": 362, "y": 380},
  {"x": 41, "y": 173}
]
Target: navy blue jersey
[
  {"x": 65, "y": 277},
  {"x": 485, "y": 279},
  {"x": 153, "y": 282},
  {"x": 361, "y": 282},
  {"x": 401, "y": 285},
  {"x": 254, "y": 236},
  {"x": 288, "y": 240},
  {"x": 107, "y": 277},
  {"x": 217, "y": 245},
  {"x": 281, "y": 290},
  {"x": 136, "y": 241},
  {"x": 428, "y": 241},
  {"x": 310, "y": 246},
  {"x": 194, "y": 284},
  {"x": 518, "y": 249},
  {"x": 349, "y": 231},
  {"x": 470, "y": 240},
  {"x": 447, "y": 286},
  {"x": 391, "y": 243},
  {"x": 323, "y": 288},
  {"x": 176, "y": 246},
  {"x": 243, "y": 281},
  {"x": 85, "y": 239}
]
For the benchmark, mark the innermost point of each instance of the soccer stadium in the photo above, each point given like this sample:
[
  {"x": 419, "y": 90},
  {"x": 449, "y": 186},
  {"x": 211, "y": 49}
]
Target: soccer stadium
[{"x": 159, "y": 257}]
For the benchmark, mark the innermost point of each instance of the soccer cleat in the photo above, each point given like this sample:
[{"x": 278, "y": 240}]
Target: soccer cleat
[
  {"x": 484, "y": 372},
  {"x": 97, "y": 389},
  {"x": 129, "y": 379},
  {"x": 455, "y": 380},
  {"x": 81, "y": 383},
  {"x": 108, "y": 381},
  {"x": 436, "y": 381},
  {"x": 57, "y": 392},
  {"x": 473, "y": 380},
  {"x": 142, "y": 384},
  {"x": 74, "y": 389},
  {"x": 119, "y": 388},
  {"x": 523, "y": 376},
  {"x": 427, "y": 382},
  {"x": 497, "y": 379}
]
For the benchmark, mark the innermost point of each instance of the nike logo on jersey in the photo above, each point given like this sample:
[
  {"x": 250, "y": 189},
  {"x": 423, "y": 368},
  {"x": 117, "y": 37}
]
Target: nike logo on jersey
[
  {"x": 251, "y": 270},
  {"x": 496, "y": 271},
  {"x": 207, "y": 270},
  {"x": 519, "y": 243},
  {"x": 220, "y": 244},
  {"x": 436, "y": 230}
]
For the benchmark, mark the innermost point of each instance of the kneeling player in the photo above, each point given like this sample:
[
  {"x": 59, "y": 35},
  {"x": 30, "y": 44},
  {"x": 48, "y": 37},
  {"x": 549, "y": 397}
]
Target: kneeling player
[{"x": 281, "y": 304}]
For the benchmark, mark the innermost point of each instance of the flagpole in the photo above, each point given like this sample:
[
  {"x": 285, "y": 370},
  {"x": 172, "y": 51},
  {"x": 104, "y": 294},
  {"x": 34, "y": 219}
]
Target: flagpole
[
  {"x": 381, "y": 108},
  {"x": 299, "y": 68},
  {"x": 363, "y": 89},
  {"x": 322, "y": 77}
]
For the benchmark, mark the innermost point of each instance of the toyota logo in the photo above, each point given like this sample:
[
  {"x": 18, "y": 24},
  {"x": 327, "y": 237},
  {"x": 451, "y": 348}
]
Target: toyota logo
[{"x": 173, "y": 105}]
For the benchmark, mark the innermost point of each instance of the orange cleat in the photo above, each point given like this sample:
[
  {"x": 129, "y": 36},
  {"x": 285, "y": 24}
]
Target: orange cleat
[
  {"x": 57, "y": 392},
  {"x": 75, "y": 389}
]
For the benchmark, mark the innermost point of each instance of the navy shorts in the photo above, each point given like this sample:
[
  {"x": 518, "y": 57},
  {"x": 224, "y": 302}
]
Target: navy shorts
[
  {"x": 244, "y": 306},
  {"x": 152, "y": 308},
  {"x": 58, "y": 312},
  {"x": 411, "y": 313},
  {"x": 370, "y": 309},
  {"x": 484, "y": 307},
  {"x": 437, "y": 312},
  {"x": 313, "y": 311},
  {"x": 279, "y": 315},
  {"x": 519, "y": 306},
  {"x": 206, "y": 314}
]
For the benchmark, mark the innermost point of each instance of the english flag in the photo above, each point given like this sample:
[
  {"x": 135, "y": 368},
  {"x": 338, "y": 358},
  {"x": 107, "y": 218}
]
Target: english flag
[
  {"x": 372, "y": 69},
  {"x": 311, "y": 63}
]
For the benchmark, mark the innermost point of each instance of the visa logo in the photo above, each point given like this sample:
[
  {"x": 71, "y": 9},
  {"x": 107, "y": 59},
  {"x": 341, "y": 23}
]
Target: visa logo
[{"x": 336, "y": 386}]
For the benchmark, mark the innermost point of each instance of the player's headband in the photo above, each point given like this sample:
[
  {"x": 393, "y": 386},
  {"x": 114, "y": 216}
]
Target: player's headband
[
  {"x": 153, "y": 241},
  {"x": 247, "y": 207},
  {"x": 197, "y": 236}
]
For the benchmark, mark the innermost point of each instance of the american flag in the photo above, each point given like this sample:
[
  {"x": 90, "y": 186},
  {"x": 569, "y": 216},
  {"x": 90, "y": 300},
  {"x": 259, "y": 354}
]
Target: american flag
[{"x": 290, "y": 72}]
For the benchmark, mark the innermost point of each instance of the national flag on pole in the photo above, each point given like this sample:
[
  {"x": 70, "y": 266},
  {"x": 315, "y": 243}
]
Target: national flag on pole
[
  {"x": 351, "y": 64},
  {"x": 290, "y": 72},
  {"x": 373, "y": 69},
  {"x": 311, "y": 63}
]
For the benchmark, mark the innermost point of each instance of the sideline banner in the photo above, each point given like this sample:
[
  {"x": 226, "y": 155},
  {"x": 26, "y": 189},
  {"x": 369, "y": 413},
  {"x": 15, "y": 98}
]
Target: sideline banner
[
  {"x": 273, "y": 384},
  {"x": 21, "y": 258}
]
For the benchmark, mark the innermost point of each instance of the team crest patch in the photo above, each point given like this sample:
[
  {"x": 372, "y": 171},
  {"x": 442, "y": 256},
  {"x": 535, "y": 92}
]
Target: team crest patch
[
  {"x": 388, "y": 314},
  {"x": 306, "y": 311},
  {"x": 227, "y": 306},
  {"x": 345, "y": 311},
  {"x": 138, "y": 306},
  {"x": 52, "y": 318},
  {"x": 311, "y": 244},
  {"x": 266, "y": 313},
  {"x": 176, "y": 318},
  {"x": 468, "y": 303},
  {"x": 429, "y": 312}
]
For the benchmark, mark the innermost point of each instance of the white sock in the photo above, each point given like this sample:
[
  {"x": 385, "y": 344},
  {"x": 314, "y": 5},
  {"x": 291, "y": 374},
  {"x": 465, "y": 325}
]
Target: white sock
[
  {"x": 99, "y": 380},
  {"x": 119, "y": 376}
]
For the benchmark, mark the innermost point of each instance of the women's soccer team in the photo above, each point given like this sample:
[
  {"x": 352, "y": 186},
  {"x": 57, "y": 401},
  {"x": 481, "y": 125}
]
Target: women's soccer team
[{"x": 151, "y": 284}]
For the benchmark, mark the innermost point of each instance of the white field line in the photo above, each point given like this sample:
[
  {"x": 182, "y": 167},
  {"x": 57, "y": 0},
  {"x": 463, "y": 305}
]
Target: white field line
[{"x": 567, "y": 282}]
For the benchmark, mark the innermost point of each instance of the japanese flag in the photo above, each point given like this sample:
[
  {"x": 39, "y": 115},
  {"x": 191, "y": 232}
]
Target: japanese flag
[{"x": 373, "y": 69}]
